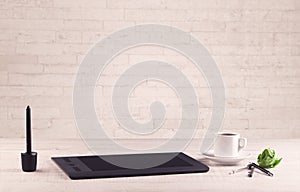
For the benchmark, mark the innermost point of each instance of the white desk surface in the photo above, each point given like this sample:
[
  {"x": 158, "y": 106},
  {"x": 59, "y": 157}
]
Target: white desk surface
[{"x": 49, "y": 177}]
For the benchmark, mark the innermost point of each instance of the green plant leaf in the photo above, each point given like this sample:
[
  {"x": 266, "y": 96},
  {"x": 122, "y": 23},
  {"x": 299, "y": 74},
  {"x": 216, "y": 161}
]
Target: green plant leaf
[{"x": 267, "y": 159}]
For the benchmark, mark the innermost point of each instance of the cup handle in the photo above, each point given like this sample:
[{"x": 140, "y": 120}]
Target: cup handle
[{"x": 242, "y": 143}]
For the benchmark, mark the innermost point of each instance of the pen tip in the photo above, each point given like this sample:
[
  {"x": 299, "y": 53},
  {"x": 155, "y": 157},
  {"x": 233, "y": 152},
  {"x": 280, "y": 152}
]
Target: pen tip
[
  {"x": 27, "y": 107},
  {"x": 270, "y": 174}
]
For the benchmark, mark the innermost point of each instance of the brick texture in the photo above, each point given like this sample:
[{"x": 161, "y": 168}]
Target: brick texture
[{"x": 256, "y": 45}]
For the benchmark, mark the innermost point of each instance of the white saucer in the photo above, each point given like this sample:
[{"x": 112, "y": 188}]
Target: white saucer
[{"x": 227, "y": 160}]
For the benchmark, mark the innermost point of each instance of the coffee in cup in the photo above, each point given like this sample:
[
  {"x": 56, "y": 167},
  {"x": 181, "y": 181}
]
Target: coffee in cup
[{"x": 229, "y": 144}]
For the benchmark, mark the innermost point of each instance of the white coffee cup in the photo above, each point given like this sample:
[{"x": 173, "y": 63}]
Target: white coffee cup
[{"x": 229, "y": 144}]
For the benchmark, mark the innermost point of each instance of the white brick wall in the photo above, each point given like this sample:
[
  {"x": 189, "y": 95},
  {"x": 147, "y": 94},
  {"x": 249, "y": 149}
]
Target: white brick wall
[{"x": 256, "y": 45}]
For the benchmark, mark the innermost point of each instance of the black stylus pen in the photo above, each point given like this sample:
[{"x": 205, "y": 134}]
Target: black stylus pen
[
  {"x": 28, "y": 129},
  {"x": 262, "y": 169},
  {"x": 29, "y": 158}
]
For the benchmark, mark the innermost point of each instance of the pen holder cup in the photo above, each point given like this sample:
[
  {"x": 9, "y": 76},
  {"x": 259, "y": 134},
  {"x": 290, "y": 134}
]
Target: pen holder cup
[{"x": 29, "y": 161}]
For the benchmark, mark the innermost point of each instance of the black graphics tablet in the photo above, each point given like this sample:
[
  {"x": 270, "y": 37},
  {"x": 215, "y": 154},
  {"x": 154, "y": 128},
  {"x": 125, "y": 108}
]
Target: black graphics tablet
[{"x": 88, "y": 167}]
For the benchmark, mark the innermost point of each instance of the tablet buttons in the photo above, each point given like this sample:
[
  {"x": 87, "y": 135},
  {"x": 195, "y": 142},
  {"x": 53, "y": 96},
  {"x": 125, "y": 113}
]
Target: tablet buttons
[{"x": 76, "y": 169}]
